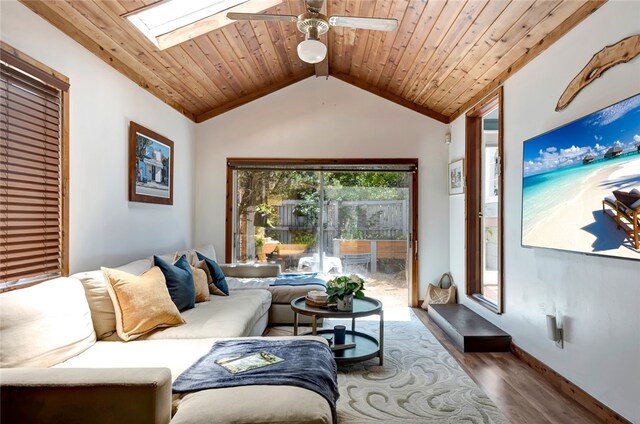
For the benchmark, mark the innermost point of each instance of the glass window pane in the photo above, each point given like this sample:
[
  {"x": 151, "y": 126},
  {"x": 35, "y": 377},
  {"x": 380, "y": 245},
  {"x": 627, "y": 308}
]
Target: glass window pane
[
  {"x": 490, "y": 208},
  {"x": 366, "y": 230},
  {"x": 276, "y": 216},
  {"x": 332, "y": 222}
]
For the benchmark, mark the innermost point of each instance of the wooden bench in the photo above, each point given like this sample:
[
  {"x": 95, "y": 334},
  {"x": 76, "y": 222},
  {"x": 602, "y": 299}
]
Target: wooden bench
[{"x": 468, "y": 330}]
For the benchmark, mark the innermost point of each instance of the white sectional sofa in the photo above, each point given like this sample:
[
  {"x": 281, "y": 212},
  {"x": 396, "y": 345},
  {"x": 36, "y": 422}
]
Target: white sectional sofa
[{"x": 55, "y": 368}]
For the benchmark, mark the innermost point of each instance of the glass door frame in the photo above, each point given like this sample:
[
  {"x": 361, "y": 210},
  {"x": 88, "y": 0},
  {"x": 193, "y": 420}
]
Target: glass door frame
[
  {"x": 235, "y": 163},
  {"x": 474, "y": 229}
]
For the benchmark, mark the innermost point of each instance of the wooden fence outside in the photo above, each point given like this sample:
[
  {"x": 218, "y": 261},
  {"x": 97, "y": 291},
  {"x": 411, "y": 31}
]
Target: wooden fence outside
[
  {"x": 378, "y": 227},
  {"x": 374, "y": 219}
]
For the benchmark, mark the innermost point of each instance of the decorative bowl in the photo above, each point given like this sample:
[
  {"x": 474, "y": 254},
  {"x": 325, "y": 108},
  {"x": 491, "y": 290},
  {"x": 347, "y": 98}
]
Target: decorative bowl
[{"x": 318, "y": 296}]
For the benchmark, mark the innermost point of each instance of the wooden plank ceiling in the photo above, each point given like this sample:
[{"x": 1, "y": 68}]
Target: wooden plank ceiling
[{"x": 443, "y": 58}]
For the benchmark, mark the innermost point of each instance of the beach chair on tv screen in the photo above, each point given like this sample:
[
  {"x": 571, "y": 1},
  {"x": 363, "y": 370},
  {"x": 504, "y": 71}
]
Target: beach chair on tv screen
[{"x": 624, "y": 209}]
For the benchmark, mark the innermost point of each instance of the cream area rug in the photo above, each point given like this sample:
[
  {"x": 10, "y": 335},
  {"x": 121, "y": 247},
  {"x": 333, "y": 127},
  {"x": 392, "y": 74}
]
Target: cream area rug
[{"x": 420, "y": 382}]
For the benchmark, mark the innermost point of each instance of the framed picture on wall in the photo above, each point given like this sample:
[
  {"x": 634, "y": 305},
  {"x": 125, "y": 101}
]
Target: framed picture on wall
[
  {"x": 150, "y": 166},
  {"x": 456, "y": 177}
]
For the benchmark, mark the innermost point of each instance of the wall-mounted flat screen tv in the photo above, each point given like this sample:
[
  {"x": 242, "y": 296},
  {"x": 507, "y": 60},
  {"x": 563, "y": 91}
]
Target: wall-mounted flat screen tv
[{"x": 581, "y": 184}]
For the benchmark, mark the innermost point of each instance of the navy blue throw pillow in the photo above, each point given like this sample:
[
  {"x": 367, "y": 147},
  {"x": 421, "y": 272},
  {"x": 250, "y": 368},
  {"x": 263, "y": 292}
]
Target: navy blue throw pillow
[
  {"x": 179, "y": 281},
  {"x": 216, "y": 273}
]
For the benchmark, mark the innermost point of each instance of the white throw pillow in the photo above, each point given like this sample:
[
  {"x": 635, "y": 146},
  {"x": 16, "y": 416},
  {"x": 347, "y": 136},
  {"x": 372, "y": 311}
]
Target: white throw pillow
[{"x": 103, "y": 314}]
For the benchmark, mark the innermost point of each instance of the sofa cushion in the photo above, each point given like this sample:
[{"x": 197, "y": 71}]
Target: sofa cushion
[
  {"x": 44, "y": 324},
  {"x": 179, "y": 280},
  {"x": 250, "y": 270},
  {"x": 276, "y": 403},
  {"x": 271, "y": 404},
  {"x": 189, "y": 254},
  {"x": 224, "y": 316},
  {"x": 100, "y": 303},
  {"x": 217, "y": 276},
  {"x": 203, "y": 266},
  {"x": 177, "y": 355},
  {"x": 142, "y": 303}
]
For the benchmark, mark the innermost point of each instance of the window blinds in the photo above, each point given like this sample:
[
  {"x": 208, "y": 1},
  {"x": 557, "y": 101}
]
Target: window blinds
[{"x": 30, "y": 178}]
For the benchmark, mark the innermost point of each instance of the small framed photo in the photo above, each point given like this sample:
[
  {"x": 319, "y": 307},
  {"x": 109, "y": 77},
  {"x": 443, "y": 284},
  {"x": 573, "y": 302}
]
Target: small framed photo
[
  {"x": 456, "y": 177},
  {"x": 150, "y": 166}
]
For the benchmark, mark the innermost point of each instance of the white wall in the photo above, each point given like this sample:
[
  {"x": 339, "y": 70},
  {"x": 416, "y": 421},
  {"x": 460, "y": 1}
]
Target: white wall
[
  {"x": 596, "y": 297},
  {"x": 105, "y": 228},
  {"x": 319, "y": 118}
]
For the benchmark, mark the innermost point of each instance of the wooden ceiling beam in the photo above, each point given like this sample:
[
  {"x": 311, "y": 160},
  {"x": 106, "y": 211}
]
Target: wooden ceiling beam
[
  {"x": 581, "y": 14},
  {"x": 390, "y": 96},
  {"x": 251, "y": 97},
  {"x": 108, "y": 56},
  {"x": 442, "y": 59},
  {"x": 133, "y": 41}
]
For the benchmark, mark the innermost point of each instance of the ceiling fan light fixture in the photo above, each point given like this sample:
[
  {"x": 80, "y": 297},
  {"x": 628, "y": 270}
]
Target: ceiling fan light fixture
[{"x": 312, "y": 51}]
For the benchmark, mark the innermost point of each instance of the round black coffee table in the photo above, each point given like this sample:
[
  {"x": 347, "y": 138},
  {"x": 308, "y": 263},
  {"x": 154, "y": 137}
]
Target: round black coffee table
[{"x": 366, "y": 346}]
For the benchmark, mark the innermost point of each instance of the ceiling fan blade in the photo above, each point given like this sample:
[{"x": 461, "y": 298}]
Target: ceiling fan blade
[
  {"x": 260, "y": 17},
  {"x": 378, "y": 24}
]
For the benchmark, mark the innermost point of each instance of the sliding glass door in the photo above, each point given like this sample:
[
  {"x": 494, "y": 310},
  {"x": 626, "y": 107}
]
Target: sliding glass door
[
  {"x": 366, "y": 229},
  {"x": 275, "y": 216},
  {"x": 331, "y": 221}
]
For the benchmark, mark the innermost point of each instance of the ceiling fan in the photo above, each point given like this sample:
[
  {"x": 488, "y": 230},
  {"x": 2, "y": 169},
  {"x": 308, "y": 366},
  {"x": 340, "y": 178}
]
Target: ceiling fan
[{"x": 313, "y": 24}]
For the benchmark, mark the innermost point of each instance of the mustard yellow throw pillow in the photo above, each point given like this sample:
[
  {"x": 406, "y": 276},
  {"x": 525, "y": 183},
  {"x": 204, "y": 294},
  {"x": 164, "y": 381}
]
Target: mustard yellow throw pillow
[
  {"x": 201, "y": 283},
  {"x": 212, "y": 289},
  {"x": 142, "y": 303},
  {"x": 201, "y": 276}
]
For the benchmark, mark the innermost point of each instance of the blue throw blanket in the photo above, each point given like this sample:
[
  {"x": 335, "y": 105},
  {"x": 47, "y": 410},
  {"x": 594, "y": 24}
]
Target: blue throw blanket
[
  {"x": 299, "y": 280},
  {"x": 307, "y": 363}
]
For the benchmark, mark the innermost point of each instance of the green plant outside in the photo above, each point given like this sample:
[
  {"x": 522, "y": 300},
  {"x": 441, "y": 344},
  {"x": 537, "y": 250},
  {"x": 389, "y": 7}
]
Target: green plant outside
[
  {"x": 270, "y": 214},
  {"x": 304, "y": 237}
]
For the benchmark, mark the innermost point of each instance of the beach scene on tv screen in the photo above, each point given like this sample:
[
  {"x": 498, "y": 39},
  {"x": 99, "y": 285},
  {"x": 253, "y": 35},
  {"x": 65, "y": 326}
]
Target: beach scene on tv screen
[{"x": 570, "y": 175}]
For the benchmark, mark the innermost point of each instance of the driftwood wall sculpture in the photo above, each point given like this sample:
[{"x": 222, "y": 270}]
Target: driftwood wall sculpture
[{"x": 620, "y": 52}]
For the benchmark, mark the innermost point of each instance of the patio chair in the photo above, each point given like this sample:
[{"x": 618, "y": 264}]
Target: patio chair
[
  {"x": 626, "y": 218},
  {"x": 354, "y": 260}
]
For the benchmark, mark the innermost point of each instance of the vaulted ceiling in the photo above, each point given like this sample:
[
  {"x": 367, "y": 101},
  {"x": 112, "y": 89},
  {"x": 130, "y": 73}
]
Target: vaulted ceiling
[{"x": 444, "y": 57}]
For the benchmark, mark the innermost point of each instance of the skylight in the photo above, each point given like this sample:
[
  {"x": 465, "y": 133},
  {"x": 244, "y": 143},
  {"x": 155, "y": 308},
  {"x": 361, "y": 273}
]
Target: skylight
[{"x": 171, "y": 22}]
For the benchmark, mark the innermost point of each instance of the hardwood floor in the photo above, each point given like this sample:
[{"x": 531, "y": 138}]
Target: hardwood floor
[{"x": 523, "y": 395}]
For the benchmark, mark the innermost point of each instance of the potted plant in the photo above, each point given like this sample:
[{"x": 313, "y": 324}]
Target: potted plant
[
  {"x": 259, "y": 243},
  {"x": 265, "y": 216},
  {"x": 342, "y": 289},
  {"x": 304, "y": 237},
  {"x": 306, "y": 212}
]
